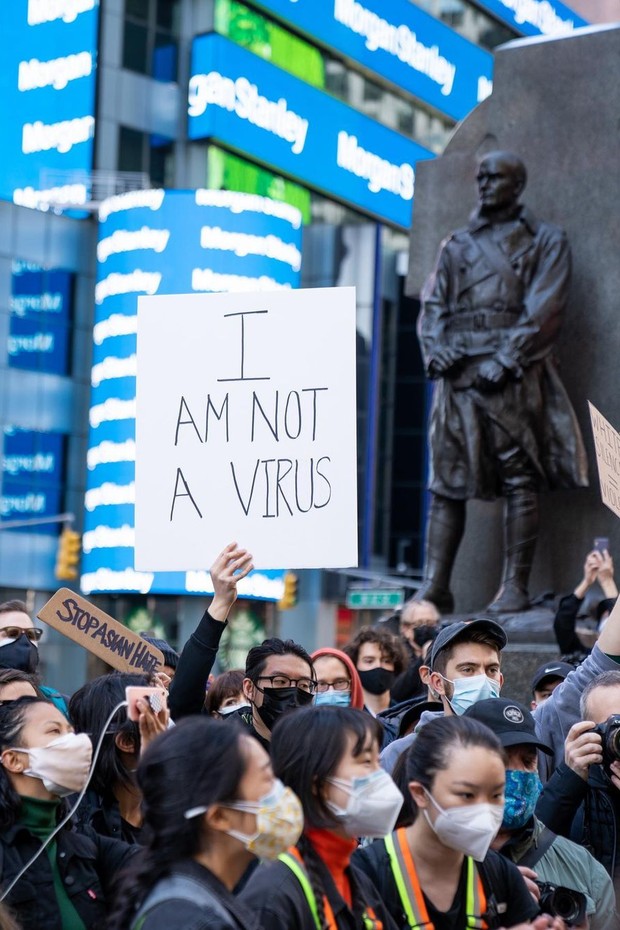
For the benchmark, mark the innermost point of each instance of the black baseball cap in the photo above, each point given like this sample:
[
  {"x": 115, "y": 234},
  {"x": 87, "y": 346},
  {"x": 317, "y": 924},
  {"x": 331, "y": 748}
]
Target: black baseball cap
[
  {"x": 550, "y": 670},
  {"x": 450, "y": 632},
  {"x": 511, "y": 722}
]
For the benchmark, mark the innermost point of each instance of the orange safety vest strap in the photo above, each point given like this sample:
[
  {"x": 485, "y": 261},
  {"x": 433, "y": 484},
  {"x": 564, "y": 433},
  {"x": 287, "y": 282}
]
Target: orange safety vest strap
[
  {"x": 410, "y": 891},
  {"x": 306, "y": 886}
]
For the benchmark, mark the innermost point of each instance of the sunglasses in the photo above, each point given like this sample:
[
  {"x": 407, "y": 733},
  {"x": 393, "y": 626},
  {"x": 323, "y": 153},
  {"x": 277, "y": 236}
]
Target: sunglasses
[{"x": 34, "y": 633}]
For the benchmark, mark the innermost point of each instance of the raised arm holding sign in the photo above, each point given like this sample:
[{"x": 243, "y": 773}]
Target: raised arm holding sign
[{"x": 187, "y": 691}]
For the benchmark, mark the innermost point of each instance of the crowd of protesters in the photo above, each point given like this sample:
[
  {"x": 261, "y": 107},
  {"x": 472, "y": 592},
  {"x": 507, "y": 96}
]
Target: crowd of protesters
[{"x": 385, "y": 786}]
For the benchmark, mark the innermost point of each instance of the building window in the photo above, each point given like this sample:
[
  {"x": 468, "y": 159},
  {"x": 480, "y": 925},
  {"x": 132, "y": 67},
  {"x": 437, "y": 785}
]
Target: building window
[
  {"x": 150, "y": 38},
  {"x": 146, "y": 153}
]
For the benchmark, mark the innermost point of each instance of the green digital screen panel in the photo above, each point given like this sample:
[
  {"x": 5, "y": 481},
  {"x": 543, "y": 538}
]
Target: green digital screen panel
[
  {"x": 229, "y": 172},
  {"x": 270, "y": 41}
]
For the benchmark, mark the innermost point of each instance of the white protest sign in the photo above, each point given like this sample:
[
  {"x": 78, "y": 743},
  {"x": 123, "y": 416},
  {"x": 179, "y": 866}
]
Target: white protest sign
[
  {"x": 246, "y": 429},
  {"x": 607, "y": 447}
]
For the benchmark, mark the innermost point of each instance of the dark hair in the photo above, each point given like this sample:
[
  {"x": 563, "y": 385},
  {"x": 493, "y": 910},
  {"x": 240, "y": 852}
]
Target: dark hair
[
  {"x": 224, "y": 686},
  {"x": 399, "y": 776},
  {"x": 9, "y": 607},
  {"x": 89, "y": 708},
  {"x": 389, "y": 644},
  {"x": 306, "y": 748},
  {"x": 13, "y": 719},
  {"x": 197, "y": 763},
  {"x": 258, "y": 655},
  {"x": 171, "y": 656},
  {"x": 440, "y": 662},
  {"x": 10, "y": 675},
  {"x": 434, "y": 742}
]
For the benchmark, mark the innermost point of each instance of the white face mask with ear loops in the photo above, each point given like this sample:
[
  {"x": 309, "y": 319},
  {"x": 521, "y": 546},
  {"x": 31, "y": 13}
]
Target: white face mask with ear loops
[
  {"x": 63, "y": 765},
  {"x": 469, "y": 828},
  {"x": 374, "y": 804}
]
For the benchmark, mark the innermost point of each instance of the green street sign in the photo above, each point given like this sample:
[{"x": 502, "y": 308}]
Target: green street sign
[{"x": 374, "y": 599}]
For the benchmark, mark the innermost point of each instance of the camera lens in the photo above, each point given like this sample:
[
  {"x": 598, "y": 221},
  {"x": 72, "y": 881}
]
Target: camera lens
[
  {"x": 565, "y": 905},
  {"x": 613, "y": 743}
]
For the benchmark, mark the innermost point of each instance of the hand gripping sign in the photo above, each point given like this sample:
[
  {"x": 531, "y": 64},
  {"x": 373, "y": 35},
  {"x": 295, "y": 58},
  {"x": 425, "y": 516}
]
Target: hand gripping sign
[{"x": 79, "y": 620}]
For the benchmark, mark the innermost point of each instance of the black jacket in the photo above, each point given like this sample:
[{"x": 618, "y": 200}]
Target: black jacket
[
  {"x": 104, "y": 816},
  {"x": 87, "y": 863},
  {"x": 187, "y": 689},
  {"x": 217, "y": 908},
  {"x": 275, "y": 894},
  {"x": 564, "y": 626},
  {"x": 501, "y": 881},
  {"x": 587, "y": 812}
]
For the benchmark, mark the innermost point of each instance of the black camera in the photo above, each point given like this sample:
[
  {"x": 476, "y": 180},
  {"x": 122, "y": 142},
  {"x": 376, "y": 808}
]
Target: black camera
[
  {"x": 562, "y": 902},
  {"x": 610, "y": 737}
]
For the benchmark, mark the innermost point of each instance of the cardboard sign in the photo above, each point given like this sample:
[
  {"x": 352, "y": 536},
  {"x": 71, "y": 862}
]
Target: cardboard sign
[
  {"x": 79, "y": 620},
  {"x": 246, "y": 429},
  {"x": 607, "y": 446}
]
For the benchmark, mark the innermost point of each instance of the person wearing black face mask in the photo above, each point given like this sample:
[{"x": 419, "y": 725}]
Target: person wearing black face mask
[
  {"x": 279, "y": 677},
  {"x": 18, "y": 638},
  {"x": 19, "y": 646},
  {"x": 379, "y": 657}
]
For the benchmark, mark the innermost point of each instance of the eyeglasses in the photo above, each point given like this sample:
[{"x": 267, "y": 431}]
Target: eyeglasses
[
  {"x": 34, "y": 633},
  {"x": 282, "y": 681},
  {"x": 340, "y": 684}
]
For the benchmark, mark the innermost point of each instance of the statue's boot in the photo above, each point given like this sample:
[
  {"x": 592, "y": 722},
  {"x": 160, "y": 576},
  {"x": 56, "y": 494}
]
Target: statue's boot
[
  {"x": 446, "y": 524},
  {"x": 520, "y": 535}
]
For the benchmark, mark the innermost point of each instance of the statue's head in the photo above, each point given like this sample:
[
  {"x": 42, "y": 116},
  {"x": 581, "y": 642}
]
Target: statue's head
[{"x": 501, "y": 178}]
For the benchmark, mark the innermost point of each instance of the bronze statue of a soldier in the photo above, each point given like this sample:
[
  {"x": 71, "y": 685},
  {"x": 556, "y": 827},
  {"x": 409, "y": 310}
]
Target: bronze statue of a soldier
[{"x": 501, "y": 423}]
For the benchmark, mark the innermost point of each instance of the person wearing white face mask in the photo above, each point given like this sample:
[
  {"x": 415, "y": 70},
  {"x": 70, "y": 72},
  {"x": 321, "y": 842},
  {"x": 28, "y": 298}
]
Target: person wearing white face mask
[
  {"x": 329, "y": 756},
  {"x": 211, "y": 805},
  {"x": 42, "y": 761},
  {"x": 438, "y": 872}
]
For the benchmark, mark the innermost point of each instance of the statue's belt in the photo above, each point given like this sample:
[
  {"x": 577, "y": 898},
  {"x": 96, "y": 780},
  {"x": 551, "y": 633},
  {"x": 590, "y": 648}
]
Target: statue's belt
[{"x": 482, "y": 319}]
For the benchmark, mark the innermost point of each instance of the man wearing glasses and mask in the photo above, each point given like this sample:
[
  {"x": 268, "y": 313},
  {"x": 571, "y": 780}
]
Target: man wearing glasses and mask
[{"x": 279, "y": 677}]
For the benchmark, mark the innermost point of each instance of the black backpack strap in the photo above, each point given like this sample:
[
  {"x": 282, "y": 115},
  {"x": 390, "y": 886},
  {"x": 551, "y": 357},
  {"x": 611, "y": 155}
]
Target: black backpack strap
[{"x": 537, "y": 850}]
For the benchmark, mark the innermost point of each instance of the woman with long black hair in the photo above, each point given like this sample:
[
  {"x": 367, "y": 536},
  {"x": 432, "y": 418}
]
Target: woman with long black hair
[
  {"x": 437, "y": 872},
  {"x": 211, "y": 805},
  {"x": 112, "y": 804},
  {"x": 41, "y": 761},
  {"x": 329, "y": 756}
]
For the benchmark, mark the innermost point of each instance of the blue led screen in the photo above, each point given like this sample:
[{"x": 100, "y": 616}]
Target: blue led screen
[
  {"x": 535, "y": 17},
  {"x": 260, "y": 110},
  {"x": 40, "y": 322},
  {"x": 32, "y": 477},
  {"x": 401, "y": 43},
  {"x": 47, "y": 88},
  {"x": 165, "y": 242}
]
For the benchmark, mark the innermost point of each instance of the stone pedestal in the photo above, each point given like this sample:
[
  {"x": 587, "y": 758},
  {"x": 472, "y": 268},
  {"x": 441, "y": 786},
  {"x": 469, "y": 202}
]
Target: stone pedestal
[{"x": 554, "y": 103}]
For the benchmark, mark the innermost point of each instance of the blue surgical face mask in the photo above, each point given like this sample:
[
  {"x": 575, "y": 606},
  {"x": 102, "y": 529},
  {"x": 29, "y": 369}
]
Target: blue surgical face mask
[
  {"x": 521, "y": 794},
  {"x": 468, "y": 691},
  {"x": 333, "y": 698}
]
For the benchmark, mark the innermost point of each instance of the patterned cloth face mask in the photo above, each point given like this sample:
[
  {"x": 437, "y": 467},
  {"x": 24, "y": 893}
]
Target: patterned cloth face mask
[{"x": 279, "y": 821}]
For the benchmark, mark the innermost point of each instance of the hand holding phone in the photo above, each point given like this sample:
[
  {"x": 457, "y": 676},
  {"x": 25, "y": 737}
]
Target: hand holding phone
[{"x": 156, "y": 698}]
